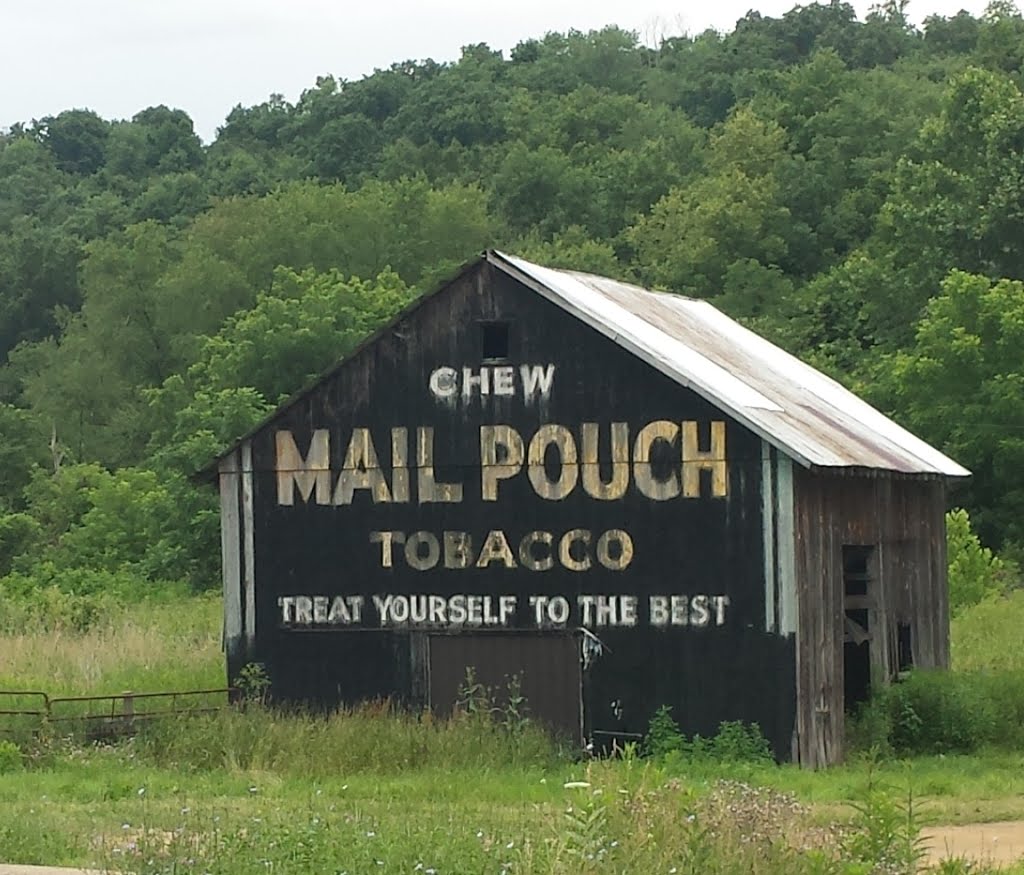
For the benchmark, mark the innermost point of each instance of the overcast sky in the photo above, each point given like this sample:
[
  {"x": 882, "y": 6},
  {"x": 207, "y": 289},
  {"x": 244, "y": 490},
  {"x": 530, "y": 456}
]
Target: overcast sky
[{"x": 205, "y": 56}]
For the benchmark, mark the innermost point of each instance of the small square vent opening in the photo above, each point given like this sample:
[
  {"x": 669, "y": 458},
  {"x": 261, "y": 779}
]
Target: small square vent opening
[{"x": 495, "y": 340}]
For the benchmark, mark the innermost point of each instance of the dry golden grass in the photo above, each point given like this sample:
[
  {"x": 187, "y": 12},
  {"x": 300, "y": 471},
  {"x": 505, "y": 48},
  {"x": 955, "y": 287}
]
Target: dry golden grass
[{"x": 147, "y": 647}]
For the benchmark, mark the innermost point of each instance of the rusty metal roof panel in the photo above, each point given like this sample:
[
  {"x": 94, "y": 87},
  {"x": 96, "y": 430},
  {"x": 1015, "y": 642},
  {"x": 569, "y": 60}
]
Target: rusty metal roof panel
[{"x": 806, "y": 414}]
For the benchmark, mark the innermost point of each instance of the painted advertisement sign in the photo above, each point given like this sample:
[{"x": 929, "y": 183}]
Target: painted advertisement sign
[{"x": 661, "y": 460}]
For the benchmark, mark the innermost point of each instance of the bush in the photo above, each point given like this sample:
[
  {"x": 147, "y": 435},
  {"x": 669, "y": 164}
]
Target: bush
[
  {"x": 735, "y": 741},
  {"x": 944, "y": 712},
  {"x": 10, "y": 757},
  {"x": 975, "y": 573}
]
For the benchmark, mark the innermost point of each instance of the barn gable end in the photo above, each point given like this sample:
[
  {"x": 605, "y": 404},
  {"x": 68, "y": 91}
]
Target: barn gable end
[{"x": 521, "y": 477}]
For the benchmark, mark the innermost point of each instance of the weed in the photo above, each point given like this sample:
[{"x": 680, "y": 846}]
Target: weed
[
  {"x": 11, "y": 759},
  {"x": 885, "y": 832},
  {"x": 253, "y": 683},
  {"x": 663, "y": 735}
]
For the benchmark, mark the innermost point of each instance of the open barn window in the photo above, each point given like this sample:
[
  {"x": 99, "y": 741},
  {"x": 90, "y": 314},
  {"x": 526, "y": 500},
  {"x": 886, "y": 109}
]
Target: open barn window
[
  {"x": 495, "y": 341},
  {"x": 858, "y": 595}
]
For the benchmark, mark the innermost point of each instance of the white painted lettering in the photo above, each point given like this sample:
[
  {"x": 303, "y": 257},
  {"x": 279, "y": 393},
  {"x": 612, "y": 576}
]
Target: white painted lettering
[
  {"x": 504, "y": 380},
  {"x": 657, "y": 609},
  {"x": 565, "y": 550},
  {"x": 320, "y": 606},
  {"x": 303, "y": 610},
  {"x": 495, "y": 549},
  {"x": 615, "y": 550},
  {"x": 422, "y": 551},
  {"x": 528, "y": 551},
  {"x": 559, "y": 437},
  {"x": 458, "y": 550},
  {"x": 646, "y": 482},
  {"x": 428, "y": 489},
  {"x": 480, "y": 381},
  {"x": 287, "y": 605},
  {"x": 537, "y": 380},
  {"x": 387, "y": 540},
  {"x": 699, "y": 614},
  {"x": 593, "y": 485},
  {"x": 501, "y": 457},
  {"x": 444, "y": 382},
  {"x": 696, "y": 460},
  {"x": 310, "y": 473},
  {"x": 361, "y": 470},
  {"x": 400, "y": 465}
]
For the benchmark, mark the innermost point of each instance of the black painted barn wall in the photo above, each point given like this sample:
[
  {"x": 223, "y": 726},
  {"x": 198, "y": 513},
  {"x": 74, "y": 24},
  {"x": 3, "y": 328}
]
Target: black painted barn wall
[{"x": 682, "y": 546}]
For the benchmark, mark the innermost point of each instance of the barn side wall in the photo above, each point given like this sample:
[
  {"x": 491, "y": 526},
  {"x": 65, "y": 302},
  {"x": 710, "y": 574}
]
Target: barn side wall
[{"x": 903, "y": 520}]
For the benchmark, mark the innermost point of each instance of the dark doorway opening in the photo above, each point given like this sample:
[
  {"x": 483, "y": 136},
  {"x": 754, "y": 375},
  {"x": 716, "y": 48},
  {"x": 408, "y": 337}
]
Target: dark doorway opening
[
  {"x": 904, "y": 648},
  {"x": 858, "y": 595},
  {"x": 543, "y": 668}
]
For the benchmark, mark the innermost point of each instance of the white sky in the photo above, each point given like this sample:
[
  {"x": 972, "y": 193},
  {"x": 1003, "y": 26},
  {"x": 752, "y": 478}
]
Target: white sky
[{"x": 205, "y": 56}]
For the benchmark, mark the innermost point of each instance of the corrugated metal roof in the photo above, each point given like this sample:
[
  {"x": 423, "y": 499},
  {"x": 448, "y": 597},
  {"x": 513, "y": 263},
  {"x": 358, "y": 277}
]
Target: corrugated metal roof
[{"x": 807, "y": 415}]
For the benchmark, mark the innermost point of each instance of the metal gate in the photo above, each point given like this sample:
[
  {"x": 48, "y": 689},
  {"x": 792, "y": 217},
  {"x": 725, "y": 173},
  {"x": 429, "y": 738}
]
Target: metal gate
[{"x": 547, "y": 666}]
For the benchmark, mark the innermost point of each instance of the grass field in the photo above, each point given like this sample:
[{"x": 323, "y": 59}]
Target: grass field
[{"x": 371, "y": 792}]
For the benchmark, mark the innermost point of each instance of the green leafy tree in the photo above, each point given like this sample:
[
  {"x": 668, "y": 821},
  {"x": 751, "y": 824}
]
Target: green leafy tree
[
  {"x": 975, "y": 572},
  {"x": 961, "y": 386},
  {"x": 728, "y": 232},
  {"x": 77, "y": 138},
  {"x": 261, "y": 356}
]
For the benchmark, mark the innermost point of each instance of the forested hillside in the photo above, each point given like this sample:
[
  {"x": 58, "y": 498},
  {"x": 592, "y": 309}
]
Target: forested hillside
[{"x": 852, "y": 189}]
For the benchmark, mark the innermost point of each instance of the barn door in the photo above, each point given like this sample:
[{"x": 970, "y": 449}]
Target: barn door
[{"x": 547, "y": 667}]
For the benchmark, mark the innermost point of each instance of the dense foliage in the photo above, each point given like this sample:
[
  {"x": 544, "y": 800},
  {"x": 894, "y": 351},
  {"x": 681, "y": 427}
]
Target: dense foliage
[{"x": 851, "y": 188}]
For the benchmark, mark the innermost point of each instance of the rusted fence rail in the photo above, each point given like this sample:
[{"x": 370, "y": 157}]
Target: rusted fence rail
[{"x": 31, "y": 710}]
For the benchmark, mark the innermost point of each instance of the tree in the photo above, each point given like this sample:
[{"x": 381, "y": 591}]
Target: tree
[
  {"x": 77, "y": 138},
  {"x": 306, "y": 323},
  {"x": 961, "y": 386},
  {"x": 729, "y": 230}
]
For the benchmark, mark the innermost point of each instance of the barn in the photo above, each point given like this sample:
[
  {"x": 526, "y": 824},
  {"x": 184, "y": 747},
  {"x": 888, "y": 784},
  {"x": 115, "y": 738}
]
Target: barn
[{"x": 612, "y": 498}]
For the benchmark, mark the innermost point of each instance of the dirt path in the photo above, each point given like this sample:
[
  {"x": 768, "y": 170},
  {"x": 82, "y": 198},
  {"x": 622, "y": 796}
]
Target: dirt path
[
  {"x": 14, "y": 869},
  {"x": 1001, "y": 842}
]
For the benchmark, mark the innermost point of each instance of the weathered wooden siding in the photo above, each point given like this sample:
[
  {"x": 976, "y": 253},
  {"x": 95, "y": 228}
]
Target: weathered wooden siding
[
  {"x": 708, "y": 543},
  {"x": 904, "y": 520}
]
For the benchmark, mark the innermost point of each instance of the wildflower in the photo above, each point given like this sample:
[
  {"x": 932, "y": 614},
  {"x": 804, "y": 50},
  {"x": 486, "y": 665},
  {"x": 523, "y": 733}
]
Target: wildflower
[
  {"x": 142, "y": 791},
  {"x": 252, "y": 790},
  {"x": 370, "y": 834}
]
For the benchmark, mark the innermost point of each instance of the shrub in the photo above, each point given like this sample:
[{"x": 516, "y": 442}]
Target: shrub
[
  {"x": 663, "y": 735},
  {"x": 975, "y": 573},
  {"x": 735, "y": 741},
  {"x": 10, "y": 757},
  {"x": 946, "y": 712}
]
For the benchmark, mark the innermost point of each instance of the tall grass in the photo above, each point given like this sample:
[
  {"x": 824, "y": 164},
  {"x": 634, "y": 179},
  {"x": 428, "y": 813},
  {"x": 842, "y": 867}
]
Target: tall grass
[
  {"x": 990, "y": 636},
  {"x": 145, "y": 647},
  {"x": 370, "y": 739}
]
